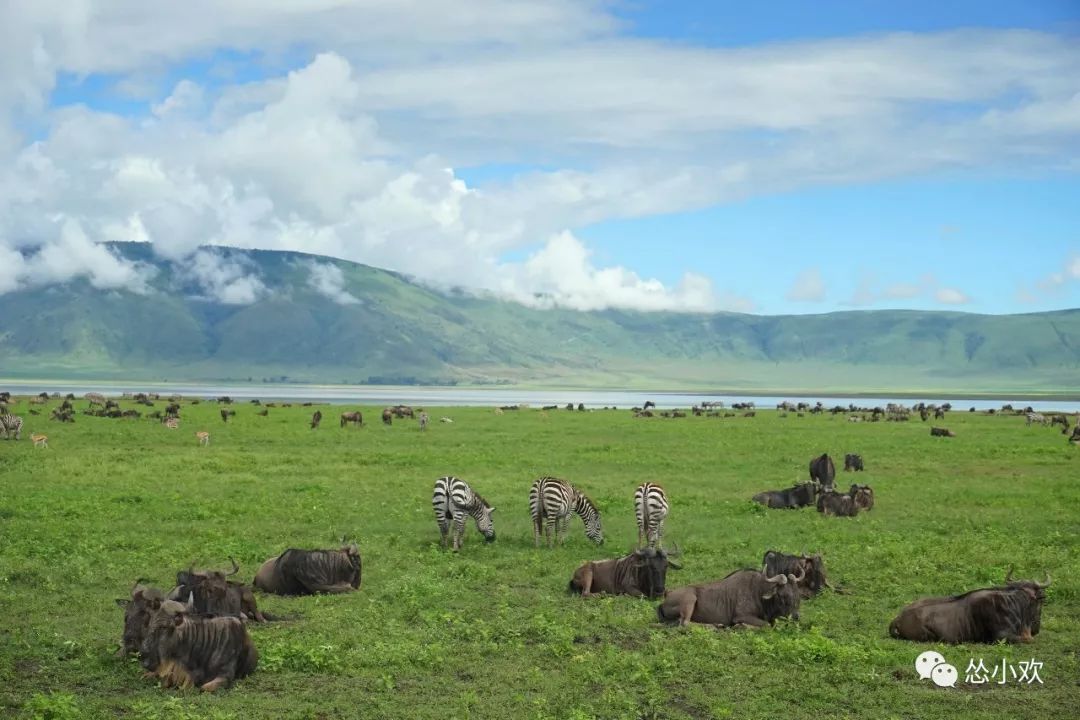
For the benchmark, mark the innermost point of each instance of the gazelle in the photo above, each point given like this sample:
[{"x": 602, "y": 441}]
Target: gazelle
[
  {"x": 172, "y": 423},
  {"x": 204, "y": 437},
  {"x": 40, "y": 440}
]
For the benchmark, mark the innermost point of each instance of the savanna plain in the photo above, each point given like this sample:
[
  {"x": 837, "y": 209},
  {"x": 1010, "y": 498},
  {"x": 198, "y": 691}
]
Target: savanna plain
[{"x": 491, "y": 632}]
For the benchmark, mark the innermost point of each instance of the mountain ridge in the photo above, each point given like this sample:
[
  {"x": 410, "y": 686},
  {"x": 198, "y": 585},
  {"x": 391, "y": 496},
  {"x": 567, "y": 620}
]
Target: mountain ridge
[{"x": 361, "y": 324}]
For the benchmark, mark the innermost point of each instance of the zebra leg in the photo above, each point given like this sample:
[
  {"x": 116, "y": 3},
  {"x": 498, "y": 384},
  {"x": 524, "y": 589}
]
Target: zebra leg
[
  {"x": 458, "y": 530},
  {"x": 444, "y": 527}
]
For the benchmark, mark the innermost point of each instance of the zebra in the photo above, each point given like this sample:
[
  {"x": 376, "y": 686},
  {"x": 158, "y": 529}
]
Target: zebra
[
  {"x": 423, "y": 420},
  {"x": 650, "y": 508},
  {"x": 452, "y": 500},
  {"x": 551, "y": 501},
  {"x": 1033, "y": 417},
  {"x": 11, "y": 424},
  {"x": 95, "y": 399}
]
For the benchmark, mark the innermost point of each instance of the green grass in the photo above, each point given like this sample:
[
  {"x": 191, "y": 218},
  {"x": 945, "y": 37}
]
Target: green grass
[{"x": 490, "y": 632}]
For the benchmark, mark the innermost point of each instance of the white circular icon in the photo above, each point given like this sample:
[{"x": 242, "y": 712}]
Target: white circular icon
[{"x": 924, "y": 664}]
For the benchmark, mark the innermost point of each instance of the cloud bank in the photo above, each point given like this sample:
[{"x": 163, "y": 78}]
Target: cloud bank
[{"x": 351, "y": 151}]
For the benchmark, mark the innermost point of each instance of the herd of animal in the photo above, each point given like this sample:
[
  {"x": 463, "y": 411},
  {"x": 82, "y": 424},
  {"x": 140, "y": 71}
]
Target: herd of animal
[{"x": 196, "y": 634}]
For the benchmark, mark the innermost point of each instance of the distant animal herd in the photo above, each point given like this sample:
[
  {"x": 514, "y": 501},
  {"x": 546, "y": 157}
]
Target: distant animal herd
[{"x": 196, "y": 635}]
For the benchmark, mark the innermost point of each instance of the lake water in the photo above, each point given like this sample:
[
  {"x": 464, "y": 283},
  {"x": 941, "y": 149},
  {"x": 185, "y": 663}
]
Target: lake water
[{"x": 436, "y": 396}]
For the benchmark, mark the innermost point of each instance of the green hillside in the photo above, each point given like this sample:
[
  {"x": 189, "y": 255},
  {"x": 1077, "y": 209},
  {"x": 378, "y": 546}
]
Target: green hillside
[{"x": 404, "y": 332}]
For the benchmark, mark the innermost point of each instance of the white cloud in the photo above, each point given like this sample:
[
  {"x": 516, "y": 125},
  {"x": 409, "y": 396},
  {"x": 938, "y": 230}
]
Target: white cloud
[
  {"x": 352, "y": 154},
  {"x": 809, "y": 286},
  {"x": 951, "y": 296},
  {"x": 328, "y": 280},
  {"x": 928, "y": 288},
  {"x": 222, "y": 279},
  {"x": 562, "y": 275}
]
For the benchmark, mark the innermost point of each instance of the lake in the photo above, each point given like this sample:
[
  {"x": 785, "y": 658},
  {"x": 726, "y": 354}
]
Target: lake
[{"x": 437, "y": 396}]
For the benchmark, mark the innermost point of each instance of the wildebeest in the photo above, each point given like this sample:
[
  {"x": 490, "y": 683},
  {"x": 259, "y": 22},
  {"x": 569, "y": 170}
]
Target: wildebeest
[
  {"x": 185, "y": 650},
  {"x": 306, "y": 572},
  {"x": 745, "y": 597},
  {"x": 839, "y": 504},
  {"x": 1012, "y": 613},
  {"x": 214, "y": 594},
  {"x": 226, "y": 414},
  {"x": 138, "y": 609},
  {"x": 941, "y": 432},
  {"x": 642, "y": 573},
  {"x": 794, "y": 497},
  {"x": 823, "y": 471},
  {"x": 402, "y": 411},
  {"x": 355, "y": 417},
  {"x": 853, "y": 462},
  {"x": 812, "y": 567},
  {"x": 862, "y": 496},
  {"x": 316, "y": 418},
  {"x": 388, "y": 416}
]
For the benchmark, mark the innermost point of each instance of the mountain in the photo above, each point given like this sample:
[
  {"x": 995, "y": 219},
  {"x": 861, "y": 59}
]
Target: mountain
[{"x": 390, "y": 329}]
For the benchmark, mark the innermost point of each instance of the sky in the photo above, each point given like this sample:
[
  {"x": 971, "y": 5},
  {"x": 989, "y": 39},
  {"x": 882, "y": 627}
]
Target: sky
[{"x": 774, "y": 157}]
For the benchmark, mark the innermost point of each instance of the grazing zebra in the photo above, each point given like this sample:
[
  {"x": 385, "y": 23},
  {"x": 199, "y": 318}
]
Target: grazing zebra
[
  {"x": 95, "y": 399},
  {"x": 40, "y": 440},
  {"x": 551, "y": 501},
  {"x": 1033, "y": 417},
  {"x": 172, "y": 423},
  {"x": 452, "y": 500},
  {"x": 11, "y": 424},
  {"x": 650, "y": 508},
  {"x": 204, "y": 437}
]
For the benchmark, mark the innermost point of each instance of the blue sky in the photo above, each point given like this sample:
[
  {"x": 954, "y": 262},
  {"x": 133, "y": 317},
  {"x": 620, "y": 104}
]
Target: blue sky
[{"x": 781, "y": 157}]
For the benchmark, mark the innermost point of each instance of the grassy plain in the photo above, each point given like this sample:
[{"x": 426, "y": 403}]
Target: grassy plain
[{"x": 491, "y": 632}]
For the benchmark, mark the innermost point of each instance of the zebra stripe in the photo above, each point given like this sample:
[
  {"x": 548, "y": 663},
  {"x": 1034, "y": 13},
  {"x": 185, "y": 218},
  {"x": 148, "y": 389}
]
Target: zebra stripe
[
  {"x": 453, "y": 500},
  {"x": 1036, "y": 417},
  {"x": 650, "y": 508},
  {"x": 11, "y": 424},
  {"x": 552, "y": 501}
]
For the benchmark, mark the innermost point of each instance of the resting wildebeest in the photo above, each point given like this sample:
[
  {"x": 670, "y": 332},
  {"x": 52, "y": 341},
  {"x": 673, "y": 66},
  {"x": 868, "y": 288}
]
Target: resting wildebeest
[
  {"x": 138, "y": 609},
  {"x": 306, "y": 572},
  {"x": 642, "y": 573},
  {"x": 745, "y": 597},
  {"x": 839, "y": 504},
  {"x": 823, "y": 471},
  {"x": 214, "y": 594},
  {"x": 853, "y": 462},
  {"x": 862, "y": 496},
  {"x": 185, "y": 650},
  {"x": 813, "y": 567},
  {"x": 316, "y": 418},
  {"x": 794, "y": 497},
  {"x": 356, "y": 418},
  {"x": 941, "y": 432},
  {"x": 1012, "y": 613}
]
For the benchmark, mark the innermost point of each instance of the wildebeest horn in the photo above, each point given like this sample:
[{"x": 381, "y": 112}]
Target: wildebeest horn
[
  {"x": 189, "y": 606},
  {"x": 235, "y": 567},
  {"x": 675, "y": 551},
  {"x": 1044, "y": 584},
  {"x": 136, "y": 585},
  {"x": 802, "y": 574},
  {"x": 780, "y": 579},
  {"x": 1008, "y": 575}
]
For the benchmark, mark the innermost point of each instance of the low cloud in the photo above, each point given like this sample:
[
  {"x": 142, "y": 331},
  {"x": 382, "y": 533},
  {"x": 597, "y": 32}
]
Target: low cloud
[
  {"x": 928, "y": 288},
  {"x": 951, "y": 296},
  {"x": 329, "y": 281},
  {"x": 808, "y": 287},
  {"x": 561, "y": 274},
  {"x": 222, "y": 279},
  {"x": 66, "y": 253}
]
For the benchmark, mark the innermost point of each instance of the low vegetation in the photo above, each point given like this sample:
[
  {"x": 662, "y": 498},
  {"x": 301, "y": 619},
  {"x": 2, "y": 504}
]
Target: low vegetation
[{"x": 491, "y": 632}]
